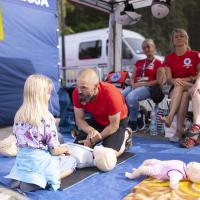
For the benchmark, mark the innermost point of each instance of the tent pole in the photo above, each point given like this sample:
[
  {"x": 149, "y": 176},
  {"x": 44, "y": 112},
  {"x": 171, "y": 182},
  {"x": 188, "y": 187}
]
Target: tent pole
[
  {"x": 115, "y": 44},
  {"x": 118, "y": 47},
  {"x": 62, "y": 7},
  {"x": 111, "y": 48}
]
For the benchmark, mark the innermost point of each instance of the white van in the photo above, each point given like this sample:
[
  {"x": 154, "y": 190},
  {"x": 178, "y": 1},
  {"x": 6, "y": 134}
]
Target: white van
[{"x": 90, "y": 49}]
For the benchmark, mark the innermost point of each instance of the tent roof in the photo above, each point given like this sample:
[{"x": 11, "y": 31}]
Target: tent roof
[
  {"x": 108, "y": 5},
  {"x": 104, "y": 5}
]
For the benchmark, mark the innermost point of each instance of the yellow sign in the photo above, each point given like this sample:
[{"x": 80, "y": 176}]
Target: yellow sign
[{"x": 1, "y": 26}]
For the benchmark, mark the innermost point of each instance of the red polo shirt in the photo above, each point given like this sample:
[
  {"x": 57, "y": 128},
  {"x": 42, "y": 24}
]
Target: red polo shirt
[
  {"x": 150, "y": 68},
  {"x": 183, "y": 66},
  {"x": 109, "y": 101}
]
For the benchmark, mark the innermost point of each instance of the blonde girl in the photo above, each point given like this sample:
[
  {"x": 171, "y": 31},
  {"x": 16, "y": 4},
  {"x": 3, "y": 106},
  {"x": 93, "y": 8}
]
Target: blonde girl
[{"x": 40, "y": 161}]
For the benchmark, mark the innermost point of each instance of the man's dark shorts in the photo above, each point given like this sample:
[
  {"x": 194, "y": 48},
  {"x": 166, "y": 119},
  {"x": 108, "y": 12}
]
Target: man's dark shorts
[{"x": 113, "y": 141}]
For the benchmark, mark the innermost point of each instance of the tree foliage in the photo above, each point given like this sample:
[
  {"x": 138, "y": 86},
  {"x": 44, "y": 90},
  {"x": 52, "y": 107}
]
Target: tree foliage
[
  {"x": 68, "y": 9},
  {"x": 183, "y": 14}
]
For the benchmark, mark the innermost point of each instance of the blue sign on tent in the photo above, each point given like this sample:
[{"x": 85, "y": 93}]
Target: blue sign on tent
[
  {"x": 47, "y": 5},
  {"x": 29, "y": 46}
]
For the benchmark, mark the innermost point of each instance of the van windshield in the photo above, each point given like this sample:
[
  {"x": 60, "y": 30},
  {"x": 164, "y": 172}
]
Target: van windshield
[{"x": 136, "y": 44}]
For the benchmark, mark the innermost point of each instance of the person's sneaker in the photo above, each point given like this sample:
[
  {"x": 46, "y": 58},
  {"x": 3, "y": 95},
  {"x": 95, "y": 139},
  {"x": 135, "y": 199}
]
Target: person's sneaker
[
  {"x": 129, "y": 139},
  {"x": 133, "y": 126},
  {"x": 14, "y": 184},
  {"x": 28, "y": 187},
  {"x": 174, "y": 139},
  {"x": 194, "y": 130},
  {"x": 141, "y": 121},
  {"x": 74, "y": 133}
]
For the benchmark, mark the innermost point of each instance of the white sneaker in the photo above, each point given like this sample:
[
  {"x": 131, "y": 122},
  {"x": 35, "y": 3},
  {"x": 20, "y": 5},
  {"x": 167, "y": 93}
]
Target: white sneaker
[
  {"x": 141, "y": 121},
  {"x": 174, "y": 139},
  {"x": 129, "y": 139}
]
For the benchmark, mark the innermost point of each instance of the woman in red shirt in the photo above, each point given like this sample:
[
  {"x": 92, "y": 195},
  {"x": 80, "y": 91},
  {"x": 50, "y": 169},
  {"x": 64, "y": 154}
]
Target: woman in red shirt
[
  {"x": 141, "y": 80},
  {"x": 181, "y": 69}
]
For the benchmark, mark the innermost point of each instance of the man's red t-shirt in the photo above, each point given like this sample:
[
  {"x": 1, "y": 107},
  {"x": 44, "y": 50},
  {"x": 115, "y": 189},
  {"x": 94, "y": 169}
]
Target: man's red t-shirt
[
  {"x": 183, "y": 66},
  {"x": 109, "y": 101},
  {"x": 149, "y": 67}
]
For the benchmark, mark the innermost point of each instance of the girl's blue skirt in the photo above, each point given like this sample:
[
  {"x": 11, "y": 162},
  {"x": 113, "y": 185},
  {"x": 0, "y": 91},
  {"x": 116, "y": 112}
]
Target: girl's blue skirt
[{"x": 39, "y": 167}]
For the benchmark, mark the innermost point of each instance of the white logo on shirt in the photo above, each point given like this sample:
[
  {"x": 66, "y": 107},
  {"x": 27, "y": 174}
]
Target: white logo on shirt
[
  {"x": 150, "y": 66},
  {"x": 199, "y": 55},
  {"x": 187, "y": 62}
]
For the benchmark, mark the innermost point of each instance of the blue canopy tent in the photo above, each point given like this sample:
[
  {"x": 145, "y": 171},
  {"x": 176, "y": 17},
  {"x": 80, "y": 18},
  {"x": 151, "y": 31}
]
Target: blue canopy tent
[{"x": 30, "y": 46}]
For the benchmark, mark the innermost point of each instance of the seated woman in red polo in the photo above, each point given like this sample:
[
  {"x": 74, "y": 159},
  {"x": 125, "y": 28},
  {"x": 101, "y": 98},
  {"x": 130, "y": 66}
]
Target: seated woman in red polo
[
  {"x": 143, "y": 77},
  {"x": 181, "y": 67}
]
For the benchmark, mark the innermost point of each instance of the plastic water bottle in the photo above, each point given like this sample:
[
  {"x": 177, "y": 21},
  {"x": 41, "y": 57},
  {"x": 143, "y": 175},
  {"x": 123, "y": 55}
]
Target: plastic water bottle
[
  {"x": 188, "y": 124},
  {"x": 153, "y": 123},
  {"x": 160, "y": 124}
]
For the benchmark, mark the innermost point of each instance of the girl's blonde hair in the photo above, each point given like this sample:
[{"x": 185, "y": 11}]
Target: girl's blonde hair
[
  {"x": 150, "y": 42},
  {"x": 182, "y": 31},
  {"x": 37, "y": 90}
]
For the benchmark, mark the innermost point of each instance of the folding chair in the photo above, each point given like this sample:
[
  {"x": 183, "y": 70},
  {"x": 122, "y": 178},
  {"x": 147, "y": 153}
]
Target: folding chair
[{"x": 119, "y": 79}]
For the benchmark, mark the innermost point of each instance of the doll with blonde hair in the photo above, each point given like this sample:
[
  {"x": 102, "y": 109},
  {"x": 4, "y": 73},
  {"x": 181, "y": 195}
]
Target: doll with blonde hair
[{"x": 41, "y": 160}]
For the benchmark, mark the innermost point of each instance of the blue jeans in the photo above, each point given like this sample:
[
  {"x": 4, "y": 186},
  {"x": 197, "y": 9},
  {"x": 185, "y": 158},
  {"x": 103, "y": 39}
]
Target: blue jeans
[{"x": 133, "y": 97}]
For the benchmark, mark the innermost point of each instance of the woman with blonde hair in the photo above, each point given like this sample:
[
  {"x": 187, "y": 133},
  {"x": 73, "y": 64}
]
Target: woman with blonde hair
[
  {"x": 181, "y": 70},
  {"x": 40, "y": 161},
  {"x": 144, "y": 76}
]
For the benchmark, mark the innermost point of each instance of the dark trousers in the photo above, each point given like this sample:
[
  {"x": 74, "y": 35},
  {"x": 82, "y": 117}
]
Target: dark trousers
[{"x": 113, "y": 141}]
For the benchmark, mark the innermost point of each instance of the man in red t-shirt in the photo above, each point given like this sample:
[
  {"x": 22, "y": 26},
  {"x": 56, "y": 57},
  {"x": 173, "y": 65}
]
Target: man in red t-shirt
[{"x": 107, "y": 107}]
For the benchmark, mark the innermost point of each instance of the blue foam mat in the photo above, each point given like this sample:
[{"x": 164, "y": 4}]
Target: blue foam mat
[{"x": 111, "y": 185}]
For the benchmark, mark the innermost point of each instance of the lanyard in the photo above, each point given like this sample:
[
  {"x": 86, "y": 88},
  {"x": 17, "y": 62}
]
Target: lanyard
[{"x": 145, "y": 66}]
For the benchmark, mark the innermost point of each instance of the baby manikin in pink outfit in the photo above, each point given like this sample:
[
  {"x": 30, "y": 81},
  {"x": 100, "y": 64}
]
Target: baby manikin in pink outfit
[{"x": 172, "y": 170}]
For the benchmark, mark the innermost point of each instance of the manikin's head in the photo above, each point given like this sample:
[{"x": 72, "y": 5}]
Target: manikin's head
[
  {"x": 87, "y": 85},
  {"x": 105, "y": 159},
  {"x": 193, "y": 172}
]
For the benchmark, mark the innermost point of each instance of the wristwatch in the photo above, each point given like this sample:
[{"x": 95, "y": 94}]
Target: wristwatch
[{"x": 92, "y": 141}]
